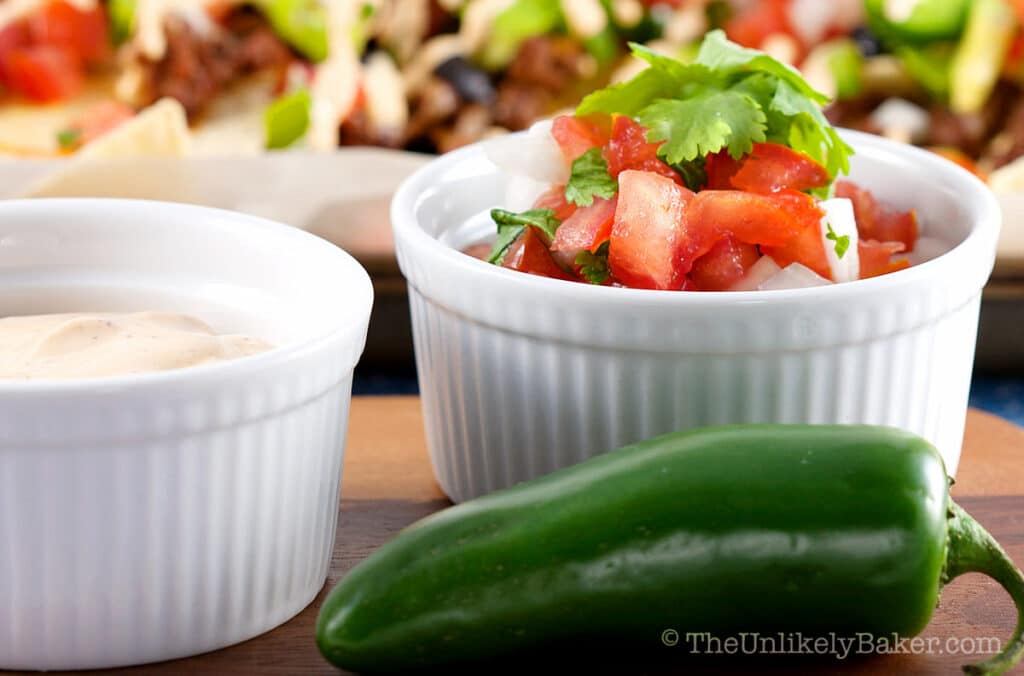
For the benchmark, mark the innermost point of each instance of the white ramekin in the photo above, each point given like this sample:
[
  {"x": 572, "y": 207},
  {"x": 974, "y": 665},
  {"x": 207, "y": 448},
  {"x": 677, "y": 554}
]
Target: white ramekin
[
  {"x": 521, "y": 375},
  {"x": 161, "y": 515}
]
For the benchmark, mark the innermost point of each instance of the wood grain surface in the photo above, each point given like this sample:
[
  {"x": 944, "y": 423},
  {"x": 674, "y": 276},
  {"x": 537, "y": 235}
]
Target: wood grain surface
[{"x": 388, "y": 484}]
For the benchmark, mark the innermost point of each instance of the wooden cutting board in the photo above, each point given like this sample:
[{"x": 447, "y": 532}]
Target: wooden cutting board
[{"x": 388, "y": 484}]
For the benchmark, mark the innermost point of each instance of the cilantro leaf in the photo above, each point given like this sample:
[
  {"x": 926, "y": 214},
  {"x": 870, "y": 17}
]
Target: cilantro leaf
[
  {"x": 594, "y": 266},
  {"x": 809, "y": 131},
  {"x": 693, "y": 173},
  {"x": 704, "y": 124},
  {"x": 681, "y": 73},
  {"x": 511, "y": 225},
  {"x": 842, "y": 243},
  {"x": 627, "y": 98},
  {"x": 589, "y": 178},
  {"x": 719, "y": 54},
  {"x": 730, "y": 97},
  {"x": 665, "y": 78}
]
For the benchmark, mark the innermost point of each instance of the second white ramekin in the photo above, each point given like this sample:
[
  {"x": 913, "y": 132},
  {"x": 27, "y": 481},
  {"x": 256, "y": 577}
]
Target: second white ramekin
[
  {"x": 522, "y": 375},
  {"x": 161, "y": 515}
]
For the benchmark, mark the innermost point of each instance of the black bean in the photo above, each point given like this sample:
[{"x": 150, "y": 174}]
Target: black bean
[
  {"x": 867, "y": 42},
  {"x": 470, "y": 82}
]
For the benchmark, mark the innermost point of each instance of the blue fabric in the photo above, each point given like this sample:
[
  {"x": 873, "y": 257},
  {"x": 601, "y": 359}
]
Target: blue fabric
[{"x": 1001, "y": 395}]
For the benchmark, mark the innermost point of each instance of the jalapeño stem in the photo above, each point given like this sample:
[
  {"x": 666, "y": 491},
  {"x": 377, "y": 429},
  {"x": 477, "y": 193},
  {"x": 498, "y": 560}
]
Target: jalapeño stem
[{"x": 973, "y": 550}]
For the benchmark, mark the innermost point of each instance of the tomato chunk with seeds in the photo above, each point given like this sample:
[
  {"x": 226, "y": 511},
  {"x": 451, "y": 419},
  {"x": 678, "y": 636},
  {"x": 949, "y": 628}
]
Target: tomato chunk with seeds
[
  {"x": 629, "y": 148},
  {"x": 650, "y": 235},
  {"x": 577, "y": 135},
  {"x": 42, "y": 73},
  {"x": 725, "y": 264},
  {"x": 876, "y": 258},
  {"x": 875, "y": 221},
  {"x": 588, "y": 228},
  {"x": 529, "y": 254},
  {"x": 554, "y": 198}
]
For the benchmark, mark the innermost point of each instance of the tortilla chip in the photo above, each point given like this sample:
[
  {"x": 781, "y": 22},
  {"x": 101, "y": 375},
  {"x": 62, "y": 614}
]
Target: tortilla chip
[{"x": 158, "y": 131}]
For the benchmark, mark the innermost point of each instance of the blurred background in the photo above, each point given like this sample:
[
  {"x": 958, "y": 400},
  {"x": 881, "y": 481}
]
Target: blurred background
[{"x": 312, "y": 111}]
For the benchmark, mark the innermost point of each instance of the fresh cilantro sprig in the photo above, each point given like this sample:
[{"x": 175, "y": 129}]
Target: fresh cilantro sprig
[
  {"x": 594, "y": 266},
  {"x": 842, "y": 243},
  {"x": 511, "y": 225},
  {"x": 589, "y": 178},
  {"x": 729, "y": 97}
]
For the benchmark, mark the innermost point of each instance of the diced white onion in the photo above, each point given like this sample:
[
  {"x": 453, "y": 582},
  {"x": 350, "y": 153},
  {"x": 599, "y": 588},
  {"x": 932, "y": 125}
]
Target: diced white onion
[
  {"x": 839, "y": 214},
  {"x": 811, "y": 19},
  {"x": 901, "y": 120},
  {"x": 687, "y": 24},
  {"x": 817, "y": 70},
  {"x": 534, "y": 155},
  {"x": 627, "y": 13},
  {"x": 793, "y": 276},
  {"x": 521, "y": 192},
  {"x": 765, "y": 268},
  {"x": 781, "y": 47}
]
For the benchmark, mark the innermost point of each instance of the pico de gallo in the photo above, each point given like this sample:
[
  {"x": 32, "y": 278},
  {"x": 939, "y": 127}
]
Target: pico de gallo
[{"x": 715, "y": 175}]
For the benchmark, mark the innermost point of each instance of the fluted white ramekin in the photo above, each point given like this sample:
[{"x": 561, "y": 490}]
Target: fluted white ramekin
[
  {"x": 155, "y": 516},
  {"x": 521, "y": 375}
]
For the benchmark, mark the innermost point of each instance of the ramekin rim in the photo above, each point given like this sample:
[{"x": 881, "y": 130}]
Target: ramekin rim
[
  {"x": 984, "y": 230},
  {"x": 278, "y": 357}
]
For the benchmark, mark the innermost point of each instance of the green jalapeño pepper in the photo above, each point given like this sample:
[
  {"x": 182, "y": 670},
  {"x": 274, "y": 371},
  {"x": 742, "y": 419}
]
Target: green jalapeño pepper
[{"x": 764, "y": 528}]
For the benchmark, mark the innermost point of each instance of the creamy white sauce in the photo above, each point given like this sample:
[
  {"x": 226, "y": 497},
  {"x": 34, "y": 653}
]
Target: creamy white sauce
[{"x": 91, "y": 345}]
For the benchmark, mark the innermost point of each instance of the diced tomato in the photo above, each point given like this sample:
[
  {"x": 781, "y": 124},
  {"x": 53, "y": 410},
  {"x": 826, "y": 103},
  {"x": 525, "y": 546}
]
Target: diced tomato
[
  {"x": 577, "y": 135},
  {"x": 43, "y": 73},
  {"x": 554, "y": 198},
  {"x": 12, "y": 37},
  {"x": 749, "y": 27},
  {"x": 768, "y": 220},
  {"x": 100, "y": 119},
  {"x": 875, "y": 221},
  {"x": 629, "y": 148},
  {"x": 529, "y": 254},
  {"x": 720, "y": 167},
  {"x": 588, "y": 228},
  {"x": 806, "y": 249},
  {"x": 60, "y": 24},
  {"x": 723, "y": 266},
  {"x": 876, "y": 258},
  {"x": 771, "y": 167},
  {"x": 651, "y": 237}
]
